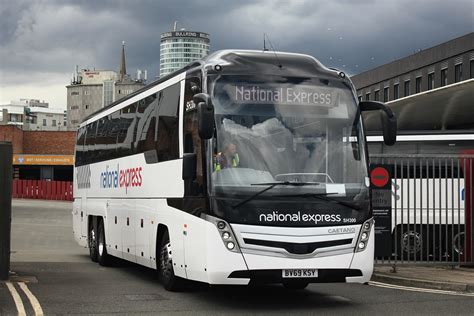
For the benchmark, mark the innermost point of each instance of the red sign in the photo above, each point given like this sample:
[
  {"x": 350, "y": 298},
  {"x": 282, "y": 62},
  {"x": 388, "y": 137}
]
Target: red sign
[{"x": 379, "y": 177}]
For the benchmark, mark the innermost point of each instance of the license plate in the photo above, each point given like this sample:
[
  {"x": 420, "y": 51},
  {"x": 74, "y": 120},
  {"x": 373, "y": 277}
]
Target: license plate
[{"x": 299, "y": 273}]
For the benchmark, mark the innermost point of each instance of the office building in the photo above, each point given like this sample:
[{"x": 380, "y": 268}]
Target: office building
[
  {"x": 91, "y": 90},
  {"x": 179, "y": 48},
  {"x": 32, "y": 115},
  {"x": 445, "y": 64}
]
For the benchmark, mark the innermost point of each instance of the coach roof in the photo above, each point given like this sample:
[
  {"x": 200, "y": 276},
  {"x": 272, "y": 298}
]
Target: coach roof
[{"x": 245, "y": 62}]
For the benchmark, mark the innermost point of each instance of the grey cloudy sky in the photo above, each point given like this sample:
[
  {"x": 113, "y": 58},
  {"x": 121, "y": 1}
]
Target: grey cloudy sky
[{"x": 42, "y": 41}]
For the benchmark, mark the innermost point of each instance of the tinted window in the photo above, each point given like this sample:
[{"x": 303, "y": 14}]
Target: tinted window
[
  {"x": 126, "y": 128},
  {"x": 168, "y": 134},
  {"x": 81, "y": 136},
  {"x": 101, "y": 138},
  {"x": 89, "y": 144},
  {"x": 145, "y": 136},
  {"x": 192, "y": 141}
]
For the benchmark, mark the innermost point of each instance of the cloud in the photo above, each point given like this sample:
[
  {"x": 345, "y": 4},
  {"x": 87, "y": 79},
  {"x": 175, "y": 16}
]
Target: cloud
[{"x": 47, "y": 38}]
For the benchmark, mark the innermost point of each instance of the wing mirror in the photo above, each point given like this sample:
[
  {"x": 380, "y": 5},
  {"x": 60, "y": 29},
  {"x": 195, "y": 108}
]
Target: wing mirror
[
  {"x": 389, "y": 121},
  {"x": 205, "y": 111}
]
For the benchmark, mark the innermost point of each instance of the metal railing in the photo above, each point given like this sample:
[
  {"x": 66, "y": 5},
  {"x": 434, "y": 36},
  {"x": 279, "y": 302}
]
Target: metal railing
[{"x": 432, "y": 214}]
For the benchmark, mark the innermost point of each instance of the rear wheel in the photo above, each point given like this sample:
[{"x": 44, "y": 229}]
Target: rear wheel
[
  {"x": 92, "y": 242},
  {"x": 165, "y": 269},
  {"x": 102, "y": 256}
]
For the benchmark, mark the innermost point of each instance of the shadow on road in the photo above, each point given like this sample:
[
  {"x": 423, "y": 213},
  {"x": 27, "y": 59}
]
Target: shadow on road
[{"x": 251, "y": 298}]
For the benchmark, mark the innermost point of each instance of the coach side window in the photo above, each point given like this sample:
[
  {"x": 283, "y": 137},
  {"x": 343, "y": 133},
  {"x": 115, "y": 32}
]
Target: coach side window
[
  {"x": 126, "y": 129},
  {"x": 192, "y": 141},
  {"x": 167, "y": 144},
  {"x": 101, "y": 139},
  {"x": 89, "y": 145},
  {"x": 81, "y": 136},
  {"x": 146, "y": 125}
]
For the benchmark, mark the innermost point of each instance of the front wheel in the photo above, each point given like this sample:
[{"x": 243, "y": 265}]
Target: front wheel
[
  {"x": 170, "y": 281},
  {"x": 102, "y": 256}
]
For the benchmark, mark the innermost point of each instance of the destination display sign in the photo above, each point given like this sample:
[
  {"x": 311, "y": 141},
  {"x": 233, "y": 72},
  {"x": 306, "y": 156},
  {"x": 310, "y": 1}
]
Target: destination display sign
[{"x": 281, "y": 94}]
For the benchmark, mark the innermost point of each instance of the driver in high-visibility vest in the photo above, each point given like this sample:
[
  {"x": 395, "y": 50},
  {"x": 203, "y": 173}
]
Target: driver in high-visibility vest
[{"x": 228, "y": 158}]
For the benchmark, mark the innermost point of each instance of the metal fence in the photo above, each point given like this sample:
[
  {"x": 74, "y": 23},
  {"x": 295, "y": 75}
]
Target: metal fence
[
  {"x": 432, "y": 214},
  {"x": 43, "y": 190}
]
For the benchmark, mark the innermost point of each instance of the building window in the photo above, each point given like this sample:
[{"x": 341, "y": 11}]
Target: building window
[
  {"x": 74, "y": 93},
  {"x": 376, "y": 95},
  {"x": 472, "y": 68},
  {"x": 458, "y": 73},
  {"x": 396, "y": 89},
  {"x": 385, "y": 94},
  {"x": 444, "y": 77},
  {"x": 407, "y": 88},
  {"x": 367, "y": 96},
  {"x": 54, "y": 123},
  {"x": 418, "y": 85},
  {"x": 87, "y": 106},
  {"x": 431, "y": 81},
  {"x": 359, "y": 98},
  {"x": 44, "y": 122}
]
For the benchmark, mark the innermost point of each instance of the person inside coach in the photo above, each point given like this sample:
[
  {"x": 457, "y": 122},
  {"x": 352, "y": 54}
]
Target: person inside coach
[{"x": 228, "y": 158}]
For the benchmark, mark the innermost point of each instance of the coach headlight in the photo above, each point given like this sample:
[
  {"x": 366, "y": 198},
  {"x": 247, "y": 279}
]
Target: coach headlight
[
  {"x": 225, "y": 231},
  {"x": 364, "y": 235}
]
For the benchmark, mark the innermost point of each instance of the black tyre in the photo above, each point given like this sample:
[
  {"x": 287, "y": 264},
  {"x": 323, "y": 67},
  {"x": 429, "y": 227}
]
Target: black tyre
[
  {"x": 295, "y": 285},
  {"x": 102, "y": 256},
  {"x": 165, "y": 268},
  {"x": 92, "y": 242}
]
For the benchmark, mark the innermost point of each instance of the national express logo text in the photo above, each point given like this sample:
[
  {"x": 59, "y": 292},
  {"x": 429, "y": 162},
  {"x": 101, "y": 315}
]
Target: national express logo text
[
  {"x": 275, "y": 217},
  {"x": 123, "y": 178}
]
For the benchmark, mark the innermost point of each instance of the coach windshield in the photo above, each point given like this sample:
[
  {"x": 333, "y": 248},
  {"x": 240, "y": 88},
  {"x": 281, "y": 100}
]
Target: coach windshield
[{"x": 301, "y": 136}]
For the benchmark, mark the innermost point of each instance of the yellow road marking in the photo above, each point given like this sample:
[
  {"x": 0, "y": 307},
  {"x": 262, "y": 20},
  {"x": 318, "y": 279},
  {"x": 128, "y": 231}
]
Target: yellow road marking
[{"x": 16, "y": 297}]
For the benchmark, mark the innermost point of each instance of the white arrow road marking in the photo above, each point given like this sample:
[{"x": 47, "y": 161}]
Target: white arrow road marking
[
  {"x": 16, "y": 297},
  {"x": 33, "y": 300},
  {"x": 415, "y": 289}
]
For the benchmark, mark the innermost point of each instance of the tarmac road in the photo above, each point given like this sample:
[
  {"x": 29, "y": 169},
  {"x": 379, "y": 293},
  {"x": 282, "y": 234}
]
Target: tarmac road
[{"x": 58, "y": 274}]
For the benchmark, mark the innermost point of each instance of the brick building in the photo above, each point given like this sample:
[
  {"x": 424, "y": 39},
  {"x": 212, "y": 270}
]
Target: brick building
[{"x": 41, "y": 155}]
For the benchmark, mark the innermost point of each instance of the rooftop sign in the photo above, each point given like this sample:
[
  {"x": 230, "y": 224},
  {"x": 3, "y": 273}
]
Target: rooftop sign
[{"x": 188, "y": 34}]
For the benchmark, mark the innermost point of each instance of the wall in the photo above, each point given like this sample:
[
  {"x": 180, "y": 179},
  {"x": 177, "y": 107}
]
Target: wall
[
  {"x": 49, "y": 142},
  {"x": 14, "y": 135}
]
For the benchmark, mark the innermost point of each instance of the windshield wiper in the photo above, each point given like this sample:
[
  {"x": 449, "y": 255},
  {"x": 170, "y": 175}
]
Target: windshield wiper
[
  {"x": 323, "y": 197},
  {"x": 271, "y": 185}
]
